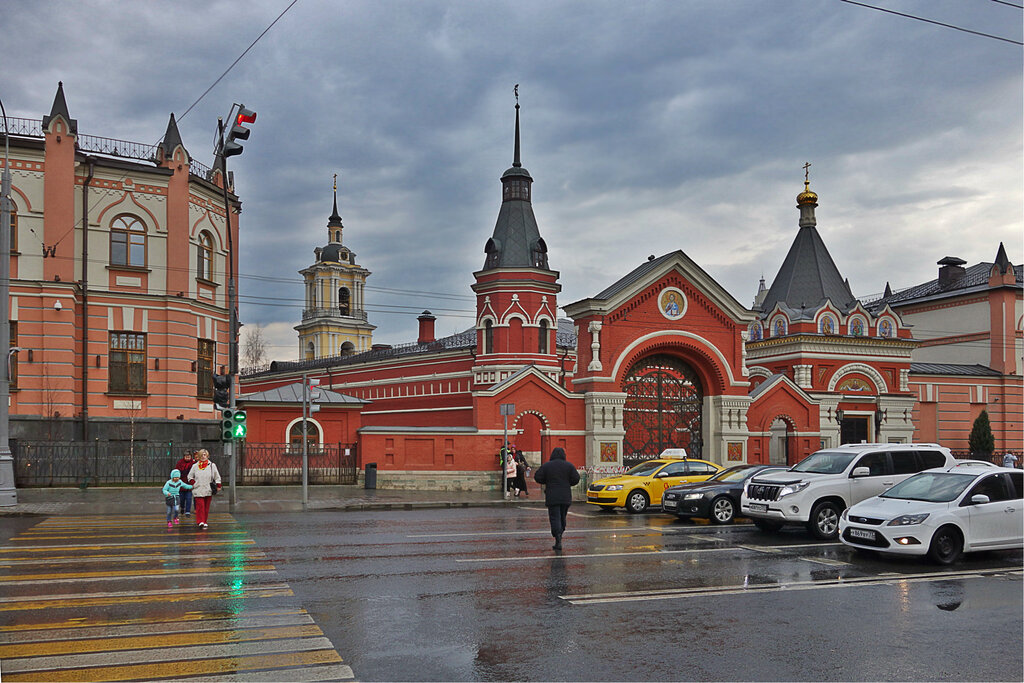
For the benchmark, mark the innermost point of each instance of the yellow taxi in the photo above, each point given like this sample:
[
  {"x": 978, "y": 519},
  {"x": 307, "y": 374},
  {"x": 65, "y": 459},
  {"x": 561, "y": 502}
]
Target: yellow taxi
[{"x": 643, "y": 485}]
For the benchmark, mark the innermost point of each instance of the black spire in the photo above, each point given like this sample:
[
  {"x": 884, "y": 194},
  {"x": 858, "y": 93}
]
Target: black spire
[
  {"x": 335, "y": 219},
  {"x": 172, "y": 139},
  {"x": 1002, "y": 262},
  {"x": 60, "y": 108},
  {"x": 516, "y": 242}
]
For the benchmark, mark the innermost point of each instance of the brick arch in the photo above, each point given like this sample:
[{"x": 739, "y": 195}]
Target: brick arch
[
  {"x": 873, "y": 375},
  {"x": 127, "y": 210},
  {"x": 707, "y": 361},
  {"x": 791, "y": 423},
  {"x": 541, "y": 416}
]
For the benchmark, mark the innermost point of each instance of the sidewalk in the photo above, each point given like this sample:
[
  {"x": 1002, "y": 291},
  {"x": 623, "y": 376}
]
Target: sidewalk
[{"x": 250, "y": 499}]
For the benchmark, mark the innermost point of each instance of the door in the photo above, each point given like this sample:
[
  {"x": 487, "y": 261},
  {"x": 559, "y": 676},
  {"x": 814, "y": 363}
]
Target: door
[
  {"x": 854, "y": 430},
  {"x": 991, "y": 523},
  {"x": 879, "y": 478},
  {"x": 663, "y": 408},
  {"x": 671, "y": 475}
]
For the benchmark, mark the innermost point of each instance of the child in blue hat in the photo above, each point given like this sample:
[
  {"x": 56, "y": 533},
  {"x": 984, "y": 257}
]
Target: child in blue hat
[{"x": 172, "y": 492}]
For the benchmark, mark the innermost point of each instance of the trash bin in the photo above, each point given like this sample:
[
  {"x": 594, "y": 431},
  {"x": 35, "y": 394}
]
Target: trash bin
[{"x": 370, "y": 479}]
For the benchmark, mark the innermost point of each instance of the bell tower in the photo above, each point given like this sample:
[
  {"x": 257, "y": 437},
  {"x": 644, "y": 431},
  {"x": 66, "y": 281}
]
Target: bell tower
[
  {"x": 516, "y": 291},
  {"x": 334, "y": 319}
]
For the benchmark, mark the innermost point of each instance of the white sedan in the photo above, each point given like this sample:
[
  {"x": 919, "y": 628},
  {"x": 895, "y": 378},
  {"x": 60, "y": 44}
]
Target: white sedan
[{"x": 942, "y": 513}]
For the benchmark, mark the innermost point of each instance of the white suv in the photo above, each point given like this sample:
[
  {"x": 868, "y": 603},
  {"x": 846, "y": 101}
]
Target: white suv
[{"x": 816, "y": 490}]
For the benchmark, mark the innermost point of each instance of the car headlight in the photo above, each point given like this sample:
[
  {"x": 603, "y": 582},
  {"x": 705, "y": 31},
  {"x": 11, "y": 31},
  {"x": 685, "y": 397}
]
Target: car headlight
[
  {"x": 693, "y": 496},
  {"x": 790, "y": 489},
  {"x": 907, "y": 520},
  {"x": 846, "y": 514},
  {"x": 614, "y": 487}
]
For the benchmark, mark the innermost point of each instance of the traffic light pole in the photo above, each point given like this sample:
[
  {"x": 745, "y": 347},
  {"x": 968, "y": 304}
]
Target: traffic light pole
[
  {"x": 305, "y": 441},
  {"x": 229, "y": 446}
]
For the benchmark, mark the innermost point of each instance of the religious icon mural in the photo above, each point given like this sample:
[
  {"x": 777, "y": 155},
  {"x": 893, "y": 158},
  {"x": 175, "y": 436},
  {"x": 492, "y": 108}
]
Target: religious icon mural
[{"x": 672, "y": 303}]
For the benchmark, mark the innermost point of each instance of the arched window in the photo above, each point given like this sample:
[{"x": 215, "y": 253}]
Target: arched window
[
  {"x": 779, "y": 327},
  {"x": 827, "y": 325},
  {"x": 348, "y": 348},
  {"x": 310, "y": 351},
  {"x": 488, "y": 337},
  {"x": 337, "y": 235},
  {"x": 312, "y": 436},
  {"x": 204, "y": 260},
  {"x": 344, "y": 299},
  {"x": 857, "y": 327},
  {"x": 128, "y": 242},
  {"x": 542, "y": 342},
  {"x": 755, "y": 332},
  {"x": 885, "y": 328},
  {"x": 539, "y": 254}
]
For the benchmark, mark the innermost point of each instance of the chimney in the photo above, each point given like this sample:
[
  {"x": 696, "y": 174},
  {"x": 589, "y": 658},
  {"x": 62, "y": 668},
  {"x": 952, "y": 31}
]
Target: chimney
[
  {"x": 426, "y": 328},
  {"x": 951, "y": 270}
]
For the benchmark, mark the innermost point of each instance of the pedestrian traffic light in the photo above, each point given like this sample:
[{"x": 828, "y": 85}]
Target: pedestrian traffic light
[
  {"x": 238, "y": 424},
  {"x": 238, "y": 131},
  {"x": 222, "y": 391},
  {"x": 227, "y": 425}
]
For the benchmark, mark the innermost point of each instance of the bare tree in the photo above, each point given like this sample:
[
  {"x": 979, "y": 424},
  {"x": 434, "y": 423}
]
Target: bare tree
[{"x": 254, "y": 348}]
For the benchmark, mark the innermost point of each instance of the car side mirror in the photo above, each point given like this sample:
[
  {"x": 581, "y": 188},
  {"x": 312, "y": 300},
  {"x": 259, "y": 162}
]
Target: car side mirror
[
  {"x": 860, "y": 472},
  {"x": 659, "y": 475},
  {"x": 979, "y": 499}
]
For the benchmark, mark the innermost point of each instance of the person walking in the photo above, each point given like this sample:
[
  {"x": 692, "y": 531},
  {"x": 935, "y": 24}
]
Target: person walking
[
  {"x": 557, "y": 476},
  {"x": 521, "y": 467},
  {"x": 172, "y": 496},
  {"x": 509, "y": 464},
  {"x": 185, "y": 466},
  {"x": 205, "y": 480}
]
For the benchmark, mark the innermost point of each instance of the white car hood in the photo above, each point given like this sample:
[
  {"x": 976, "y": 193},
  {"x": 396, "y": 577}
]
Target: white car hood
[
  {"x": 783, "y": 477},
  {"x": 887, "y": 508}
]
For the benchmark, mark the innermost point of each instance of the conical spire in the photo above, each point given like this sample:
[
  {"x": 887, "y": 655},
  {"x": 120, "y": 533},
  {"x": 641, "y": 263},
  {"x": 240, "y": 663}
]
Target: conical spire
[
  {"x": 516, "y": 242},
  {"x": 1002, "y": 262},
  {"x": 60, "y": 108},
  {"x": 335, "y": 219},
  {"x": 172, "y": 139}
]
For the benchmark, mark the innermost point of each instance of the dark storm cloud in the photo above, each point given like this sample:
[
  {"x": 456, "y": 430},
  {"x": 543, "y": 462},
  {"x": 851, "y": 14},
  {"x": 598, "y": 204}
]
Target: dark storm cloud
[{"x": 648, "y": 126}]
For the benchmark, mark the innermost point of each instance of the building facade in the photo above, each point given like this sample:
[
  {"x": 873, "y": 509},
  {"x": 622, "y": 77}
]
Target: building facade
[{"x": 119, "y": 284}]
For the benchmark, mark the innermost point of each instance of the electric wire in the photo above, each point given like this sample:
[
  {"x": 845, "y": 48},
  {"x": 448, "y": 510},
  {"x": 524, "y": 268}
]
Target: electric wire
[{"x": 932, "y": 21}]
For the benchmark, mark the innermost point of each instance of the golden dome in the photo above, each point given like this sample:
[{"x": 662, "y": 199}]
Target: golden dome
[{"x": 806, "y": 197}]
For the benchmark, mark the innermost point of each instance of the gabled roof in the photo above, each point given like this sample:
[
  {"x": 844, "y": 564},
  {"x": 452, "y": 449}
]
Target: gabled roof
[
  {"x": 292, "y": 393},
  {"x": 808, "y": 277},
  {"x": 774, "y": 380},
  {"x": 974, "y": 277}
]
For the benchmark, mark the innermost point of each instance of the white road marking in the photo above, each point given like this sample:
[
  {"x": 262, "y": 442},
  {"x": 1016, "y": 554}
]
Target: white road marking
[
  {"x": 826, "y": 561},
  {"x": 128, "y": 594},
  {"x": 670, "y": 594},
  {"x": 545, "y": 531}
]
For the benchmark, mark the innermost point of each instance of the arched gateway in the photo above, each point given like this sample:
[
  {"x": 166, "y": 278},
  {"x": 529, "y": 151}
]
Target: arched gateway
[{"x": 663, "y": 408}]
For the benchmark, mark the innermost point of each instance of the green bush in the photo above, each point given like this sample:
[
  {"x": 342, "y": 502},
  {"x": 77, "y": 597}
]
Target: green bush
[{"x": 981, "y": 441}]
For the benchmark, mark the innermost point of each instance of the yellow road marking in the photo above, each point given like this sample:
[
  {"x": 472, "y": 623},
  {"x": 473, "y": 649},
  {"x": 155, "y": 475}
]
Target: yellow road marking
[
  {"x": 157, "y": 531},
  {"x": 173, "y": 571},
  {"x": 130, "y": 559},
  {"x": 59, "y": 603},
  {"x": 79, "y": 622},
  {"x": 67, "y": 647},
  {"x": 195, "y": 667}
]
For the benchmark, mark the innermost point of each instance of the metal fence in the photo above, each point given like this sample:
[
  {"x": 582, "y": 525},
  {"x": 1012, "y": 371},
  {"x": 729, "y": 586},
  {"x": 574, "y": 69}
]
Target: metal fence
[{"x": 50, "y": 463}]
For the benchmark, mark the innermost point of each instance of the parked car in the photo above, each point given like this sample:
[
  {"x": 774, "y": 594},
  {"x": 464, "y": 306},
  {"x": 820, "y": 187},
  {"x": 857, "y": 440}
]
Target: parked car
[
  {"x": 816, "y": 490},
  {"x": 941, "y": 513},
  {"x": 717, "y": 498},
  {"x": 643, "y": 485}
]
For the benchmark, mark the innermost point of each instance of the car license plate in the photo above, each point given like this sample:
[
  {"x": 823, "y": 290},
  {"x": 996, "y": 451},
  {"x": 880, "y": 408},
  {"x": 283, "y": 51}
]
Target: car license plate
[
  {"x": 758, "y": 507},
  {"x": 671, "y": 504},
  {"x": 866, "y": 534}
]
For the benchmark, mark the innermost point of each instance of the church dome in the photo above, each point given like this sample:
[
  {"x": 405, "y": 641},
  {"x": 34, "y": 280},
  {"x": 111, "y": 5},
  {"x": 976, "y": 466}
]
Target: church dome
[
  {"x": 332, "y": 253},
  {"x": 806, "y": 197}
]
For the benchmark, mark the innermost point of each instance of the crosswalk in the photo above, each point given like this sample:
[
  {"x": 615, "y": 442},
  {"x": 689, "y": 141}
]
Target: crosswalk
[{"x": 124, "y": 598}]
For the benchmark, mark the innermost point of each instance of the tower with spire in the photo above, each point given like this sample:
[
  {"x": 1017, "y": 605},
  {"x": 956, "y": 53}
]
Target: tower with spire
[
  {"x": 516, "y": 291},
  {"x": 334, "y": 321}
]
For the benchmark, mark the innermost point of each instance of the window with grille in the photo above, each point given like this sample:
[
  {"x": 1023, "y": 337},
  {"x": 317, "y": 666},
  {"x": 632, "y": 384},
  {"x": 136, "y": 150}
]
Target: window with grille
[
  {"x": 128, "y": 242},
  {"x": 127, "y": 363},
  {"x": 542, "y": 345},
  {"x": 204, "y": 368}
]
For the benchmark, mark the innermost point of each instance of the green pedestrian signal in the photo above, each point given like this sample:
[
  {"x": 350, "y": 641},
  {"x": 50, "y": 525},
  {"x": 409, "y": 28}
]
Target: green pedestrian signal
[
  {"x": 227, "y": 425},
  {"x": 238, "y": 427}
]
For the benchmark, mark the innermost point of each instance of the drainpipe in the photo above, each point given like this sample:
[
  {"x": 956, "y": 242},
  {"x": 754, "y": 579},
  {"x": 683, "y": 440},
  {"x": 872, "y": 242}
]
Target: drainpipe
[{"x": 85, "y": 298}]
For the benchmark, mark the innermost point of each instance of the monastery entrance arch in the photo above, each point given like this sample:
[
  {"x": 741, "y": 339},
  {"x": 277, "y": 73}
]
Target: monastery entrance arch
[
  {"x": 531, "y": 437},
  {"x": 663, "y": 409}
]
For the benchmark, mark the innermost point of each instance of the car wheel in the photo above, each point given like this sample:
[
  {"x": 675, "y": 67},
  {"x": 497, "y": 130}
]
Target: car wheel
[
  {"x": 637, "y": 502},
  {"x": 824, "y": 522},
  {"x": 723, "y": 511},
  {"x": 767, "y": 525},
  {"x": 946, "y": 546}
]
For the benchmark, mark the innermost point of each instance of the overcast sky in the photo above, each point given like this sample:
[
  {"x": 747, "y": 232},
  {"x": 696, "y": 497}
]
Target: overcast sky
[{"x": 647, "y": 127}]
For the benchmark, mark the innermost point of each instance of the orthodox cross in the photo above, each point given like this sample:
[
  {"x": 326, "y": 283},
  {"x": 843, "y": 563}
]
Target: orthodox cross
[
  {"x": 807, "y": 172},
  {"x": 516, "y": 91},
  {"x": 335, "y": 182}
]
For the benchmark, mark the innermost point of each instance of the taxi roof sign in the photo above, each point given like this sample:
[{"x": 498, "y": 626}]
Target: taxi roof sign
[{"x": 673, "y": 453}]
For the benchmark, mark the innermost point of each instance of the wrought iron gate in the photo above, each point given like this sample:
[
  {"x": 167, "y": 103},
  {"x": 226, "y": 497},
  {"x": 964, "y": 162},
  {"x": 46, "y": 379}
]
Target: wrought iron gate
[{"x": 664, "y": 408}]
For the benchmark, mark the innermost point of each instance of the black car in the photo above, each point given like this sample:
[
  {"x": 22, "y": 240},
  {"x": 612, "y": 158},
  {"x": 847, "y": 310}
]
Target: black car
[{"x": 717, "y": 498}]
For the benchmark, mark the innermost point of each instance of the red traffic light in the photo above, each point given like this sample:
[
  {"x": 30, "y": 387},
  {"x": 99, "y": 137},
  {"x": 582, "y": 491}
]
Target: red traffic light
[{"x": 245, "y": 116}]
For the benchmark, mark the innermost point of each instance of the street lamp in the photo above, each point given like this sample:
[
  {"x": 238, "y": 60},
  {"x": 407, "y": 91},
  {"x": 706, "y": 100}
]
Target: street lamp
[{"x": 8, "y": 492}]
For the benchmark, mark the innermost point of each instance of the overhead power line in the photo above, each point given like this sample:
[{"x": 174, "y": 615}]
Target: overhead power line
[{"x": 932, "y": 21}]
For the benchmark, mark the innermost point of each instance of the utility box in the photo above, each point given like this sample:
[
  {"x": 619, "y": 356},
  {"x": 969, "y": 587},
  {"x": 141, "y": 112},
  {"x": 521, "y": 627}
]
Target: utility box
[{"x": 370, "y": 478}]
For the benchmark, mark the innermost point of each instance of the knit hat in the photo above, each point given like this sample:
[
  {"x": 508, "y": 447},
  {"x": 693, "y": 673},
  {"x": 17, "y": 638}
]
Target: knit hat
[{"x": 175, "y": 473}]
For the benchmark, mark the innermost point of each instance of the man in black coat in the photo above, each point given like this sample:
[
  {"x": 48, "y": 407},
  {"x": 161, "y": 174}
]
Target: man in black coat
[{"x": 557, "y": 476}]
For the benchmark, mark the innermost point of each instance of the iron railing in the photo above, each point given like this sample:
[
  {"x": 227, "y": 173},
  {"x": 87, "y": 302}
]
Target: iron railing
[{"x": 50, "y": 463}]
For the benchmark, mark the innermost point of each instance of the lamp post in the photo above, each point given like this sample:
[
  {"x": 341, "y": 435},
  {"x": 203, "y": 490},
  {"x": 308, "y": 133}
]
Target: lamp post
[{"x": 8, "y": 492}]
